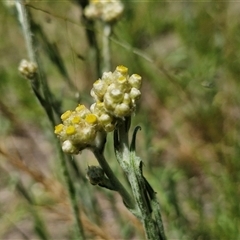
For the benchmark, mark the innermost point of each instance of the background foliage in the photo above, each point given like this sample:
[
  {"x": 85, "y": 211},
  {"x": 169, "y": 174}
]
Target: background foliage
[{"x": 189, "y": 56}]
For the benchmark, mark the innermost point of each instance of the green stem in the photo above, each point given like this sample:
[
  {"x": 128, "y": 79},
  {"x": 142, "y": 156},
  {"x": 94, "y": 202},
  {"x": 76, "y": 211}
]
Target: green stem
[
  {"x": 73, "y": 196},
  {"x": 23, "y": 19},
  {"x": 142, "y": 199},
  {"x": 158, "y": 216},
  {"x": 47, "y": 105},
  {"x": 143, "y": 194},
  {"x": 106, "y": 52},
  {"x": 114, "y": 181},
  {"x": 40, "y": 80}
]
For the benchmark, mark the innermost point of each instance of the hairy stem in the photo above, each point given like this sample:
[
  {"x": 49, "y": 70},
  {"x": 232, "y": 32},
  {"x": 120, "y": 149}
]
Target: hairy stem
[
  {"x": 23, "y": 19},
  {"x": 148, "y": 210},
  {"x": 73, "y": 196},
  {"x": 106, "y": 51},
  {"x": 114, "y": 181},
  {"x": 46, "y": 102}
]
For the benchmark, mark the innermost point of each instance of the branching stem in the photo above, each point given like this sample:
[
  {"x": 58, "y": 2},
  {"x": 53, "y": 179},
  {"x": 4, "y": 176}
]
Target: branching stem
[{"x": 114, "y": 180}]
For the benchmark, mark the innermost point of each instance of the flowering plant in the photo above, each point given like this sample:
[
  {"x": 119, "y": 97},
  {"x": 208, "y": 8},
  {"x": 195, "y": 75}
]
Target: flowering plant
[{"x": 115, "y": 96}]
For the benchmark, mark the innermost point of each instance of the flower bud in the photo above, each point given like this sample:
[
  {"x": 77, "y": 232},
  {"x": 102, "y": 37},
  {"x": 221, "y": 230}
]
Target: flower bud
[
  {"x": 82, "y": 111},
  {"x": 127, "y": 99},
  {"x": 95, "y": 175},
  {"x": 108, "y": 11},
  {"x": 99, "y": 89},
  {"x": 116, "y": 95},
  {"x": 59, "y": 128},
  {"x": 122, "y": 110},
  {"x": 109, "y": 103},
  {"x": 122, "y": 69},
  {"x": 135, "y": 94},
  {"x": 66, "y": 115},
  {"x": 68, "y": 147},
  {"x": 135, "y": 81},
  {"x": 107, "y": 77},
  {"x": 27, "y": 69}
]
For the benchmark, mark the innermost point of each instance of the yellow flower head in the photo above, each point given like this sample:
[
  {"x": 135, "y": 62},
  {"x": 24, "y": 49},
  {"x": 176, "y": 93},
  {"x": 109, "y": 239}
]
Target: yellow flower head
[{"x": 115, "y": 97}]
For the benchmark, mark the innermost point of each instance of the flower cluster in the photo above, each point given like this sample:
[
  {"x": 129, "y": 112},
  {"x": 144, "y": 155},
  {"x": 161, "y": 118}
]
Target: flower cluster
[
  {"x": 106, "y": 10},
  {"x": 78, "y": 130},
  {"x": 27, "y": 69},
  {"x": 115, "y": 97}
]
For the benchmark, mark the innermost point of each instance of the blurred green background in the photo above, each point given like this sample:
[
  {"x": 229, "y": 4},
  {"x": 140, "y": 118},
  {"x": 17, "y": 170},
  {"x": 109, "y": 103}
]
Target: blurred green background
[{"x": 188, "y": 54}]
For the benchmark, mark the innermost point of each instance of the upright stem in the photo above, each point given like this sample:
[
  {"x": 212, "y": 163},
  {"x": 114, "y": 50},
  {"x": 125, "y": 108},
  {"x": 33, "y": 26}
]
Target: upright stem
[
  {"x": 23, "y": 19},
  {"x": 106, "y": 52},
  {"x": 142, "y": 199},
  {"x": 114, "y": 181},
  {"x": 143, "y": 194},
  {"x": 46, "y": 103},
  {"x": 73, "y": 196}
]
